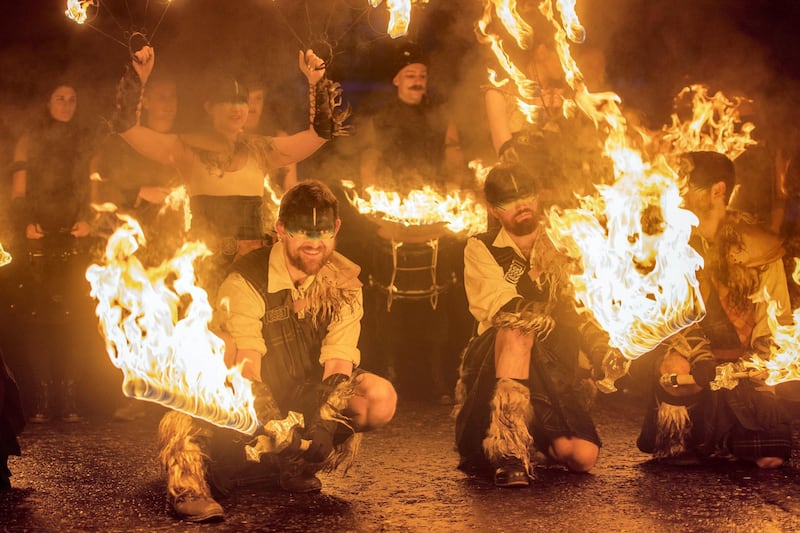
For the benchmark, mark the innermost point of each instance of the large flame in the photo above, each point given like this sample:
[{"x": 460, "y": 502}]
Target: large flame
[
  {"x": 631, "y": 239},
  {"x": 459, "y": 211},
  {"x": 638, "y": 272},
  {"x": 155, "y": 323},
  {"x": 783, "y": 363},
  {"x": 715, "y": 124}
]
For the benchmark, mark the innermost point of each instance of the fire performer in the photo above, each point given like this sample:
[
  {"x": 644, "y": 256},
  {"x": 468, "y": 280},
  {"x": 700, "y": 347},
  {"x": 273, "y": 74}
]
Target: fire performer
[
  {"x": 290, "y": 314},
  {"x": 690, "y": 421},
  {"x": 225, "y": 167},
  {"x": 409, "y": 141},
  {"x": 524, "y": 360}
]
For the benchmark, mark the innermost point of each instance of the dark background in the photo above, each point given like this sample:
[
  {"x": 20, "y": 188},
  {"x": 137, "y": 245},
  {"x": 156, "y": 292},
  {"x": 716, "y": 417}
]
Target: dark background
[{"x": 652, "y": 47}]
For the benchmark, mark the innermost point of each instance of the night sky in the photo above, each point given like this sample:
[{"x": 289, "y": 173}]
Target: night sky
[{"x": 652, "y": 47}]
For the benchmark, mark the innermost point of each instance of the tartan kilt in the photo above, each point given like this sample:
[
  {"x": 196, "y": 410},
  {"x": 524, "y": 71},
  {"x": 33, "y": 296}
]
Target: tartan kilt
[{"x": 559, "y": 402}]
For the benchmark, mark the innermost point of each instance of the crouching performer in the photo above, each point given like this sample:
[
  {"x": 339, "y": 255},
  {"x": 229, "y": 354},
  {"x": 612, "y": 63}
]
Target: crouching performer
[
  {"x": 520, "y": 389},
  {"x": 688, "y": 420},
  {"x": 292, "y": 310}
]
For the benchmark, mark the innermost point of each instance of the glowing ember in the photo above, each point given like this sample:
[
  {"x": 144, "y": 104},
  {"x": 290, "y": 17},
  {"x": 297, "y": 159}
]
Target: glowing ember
[
  {"x": 5, "y": 257},
  {"x": 714, "y": 126},
  {"x": 77, "y": 9},
  {"x": 178, "y": 200},
  {"x": 783, "y": 363},
  {"x": 155, "y": 322},
  {"x": 399, "y": 15},
  {"x": 460, "y": 211}
]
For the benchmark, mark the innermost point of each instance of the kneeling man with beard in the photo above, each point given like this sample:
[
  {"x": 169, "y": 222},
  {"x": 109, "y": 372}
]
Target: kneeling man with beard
[
  {"x": 520, "y": 395},
  {"x": 290, "y": 315}
]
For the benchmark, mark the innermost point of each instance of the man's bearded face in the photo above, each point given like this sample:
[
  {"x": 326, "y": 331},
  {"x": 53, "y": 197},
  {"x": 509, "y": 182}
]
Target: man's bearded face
[
  {"x": 308, "y": 250},
  {"x": 519, "y": 217},
  {"x": 308, "y": 255}
]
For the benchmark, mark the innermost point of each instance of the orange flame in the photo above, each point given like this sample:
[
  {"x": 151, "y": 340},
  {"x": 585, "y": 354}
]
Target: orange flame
[
  {"x": 5, "y": 257},
  {"x": 77, "y": 9},
  {"x": 178, "y": 200},
  {"x": 459, "y": 211},
  {"x": 522, "y": 33},
  {"x": 783, "y": 363},
  {"x": 638, "y": 272},
  {"x": 155, "y": 323},
  {"x": 715, "y": 124},
  {"x": 399, "y": 15}
]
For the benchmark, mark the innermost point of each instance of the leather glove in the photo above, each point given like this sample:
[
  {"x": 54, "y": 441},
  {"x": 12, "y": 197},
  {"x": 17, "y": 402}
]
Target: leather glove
[
  {"x": 320, "y": 432},
  {"x": 321, "y": 436}
]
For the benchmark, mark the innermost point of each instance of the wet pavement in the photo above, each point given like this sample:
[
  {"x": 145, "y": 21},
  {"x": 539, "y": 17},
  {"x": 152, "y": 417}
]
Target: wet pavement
[{"x": 102, "y": 475}]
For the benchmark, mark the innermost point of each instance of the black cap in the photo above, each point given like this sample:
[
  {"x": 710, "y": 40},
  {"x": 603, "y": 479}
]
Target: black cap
[
  {"x": 506, "y": 183},
  {"x": 703, "y": 169},
  {"x": 408, "y": 53},
  {"x": 309, "y": 206},
  {"x": 225, "y": 88}
]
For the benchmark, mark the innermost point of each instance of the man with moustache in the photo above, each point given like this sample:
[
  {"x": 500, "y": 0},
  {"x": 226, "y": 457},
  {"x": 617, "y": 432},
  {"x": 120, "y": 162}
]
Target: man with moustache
[
  {"x": 688, "y": 421},
  {"x": 410, "y": 142},
  {"x": 290, "y": 314},
  {"x": 519, "y": 389}
]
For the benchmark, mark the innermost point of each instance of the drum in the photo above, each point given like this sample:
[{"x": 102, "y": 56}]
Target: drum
[{"x": 406, "y": 263}]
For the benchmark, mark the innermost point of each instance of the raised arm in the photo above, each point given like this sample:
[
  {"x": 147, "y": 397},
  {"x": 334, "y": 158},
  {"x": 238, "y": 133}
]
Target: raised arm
[
  {"x": 326, "y": 116},
  {"x": 164, "y": 148},
  {"x": 498, "y": 119}
]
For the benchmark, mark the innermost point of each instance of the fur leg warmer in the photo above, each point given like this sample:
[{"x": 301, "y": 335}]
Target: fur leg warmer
[
  {"x": 511, "y": 413},
  {"x": 183, "y": 455},
  {"x": 673, "y": 429}
]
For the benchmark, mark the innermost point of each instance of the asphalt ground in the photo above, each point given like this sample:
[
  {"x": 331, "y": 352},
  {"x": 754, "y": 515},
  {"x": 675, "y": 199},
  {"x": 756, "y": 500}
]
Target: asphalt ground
[{"x": 103, "y": 475}]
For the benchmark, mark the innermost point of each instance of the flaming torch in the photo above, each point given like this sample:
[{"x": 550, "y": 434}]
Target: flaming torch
[
  {"x": 155, "y": 322},
  {"x": 715, "y": 124}
]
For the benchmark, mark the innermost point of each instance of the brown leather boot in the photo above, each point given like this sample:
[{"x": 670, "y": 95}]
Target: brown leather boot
[
  {"x": 43, "y": 397},
  {"x": 69, "y": 405},
  {"x": 194, "y": 507},
  {"x": 298, "y": 476}
]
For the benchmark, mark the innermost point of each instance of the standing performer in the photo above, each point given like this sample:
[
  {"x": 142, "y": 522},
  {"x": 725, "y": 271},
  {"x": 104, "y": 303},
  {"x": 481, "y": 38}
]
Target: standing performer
[
  {"x": 50, "y": 200},
  {"x": 689, "y": 421},
  {"x": 520, "y": 386},
  {"x": 290, "y": 314},
  {"x": 225, "y": 167}
]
